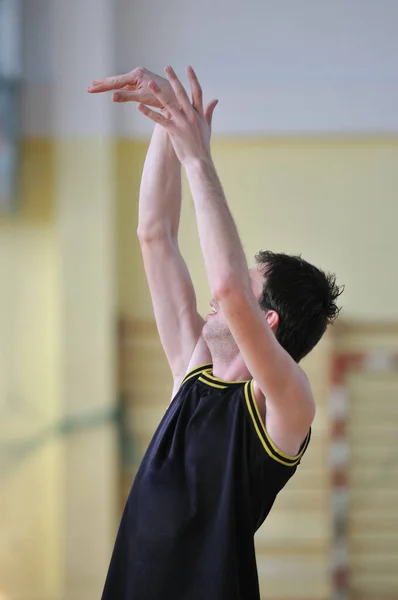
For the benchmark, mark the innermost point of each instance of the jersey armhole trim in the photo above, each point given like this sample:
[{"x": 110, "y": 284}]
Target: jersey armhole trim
[{"x": 267, "y": 443}]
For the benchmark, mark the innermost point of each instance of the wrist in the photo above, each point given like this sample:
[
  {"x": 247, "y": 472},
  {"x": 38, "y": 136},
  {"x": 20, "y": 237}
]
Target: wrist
[
  {"x": 161, "y": 141},
  {"x": 196, "y": 164},
  {"x": 160, "y": 133}
]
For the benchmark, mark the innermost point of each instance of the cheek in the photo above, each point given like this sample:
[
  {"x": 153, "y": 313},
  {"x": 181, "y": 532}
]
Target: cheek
[
  {"x": 257, "y": 286},
  {"x": 258, "y": 290}
]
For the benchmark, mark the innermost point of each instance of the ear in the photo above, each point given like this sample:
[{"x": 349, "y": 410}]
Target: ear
[{"x": 272, "y": 319}]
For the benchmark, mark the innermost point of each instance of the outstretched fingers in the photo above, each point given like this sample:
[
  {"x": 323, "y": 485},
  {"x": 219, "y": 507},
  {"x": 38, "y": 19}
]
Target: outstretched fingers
[
  {"x": 179, "y": 90},
  {"x": 156, "y": 117},
  {"x": 111, "y": 83},
  {"x": 196, "y": 90},
  {"x": 124, "y": 96},
  {"x": 173, "y": 107},
  {"x": 170, "y": 103}
]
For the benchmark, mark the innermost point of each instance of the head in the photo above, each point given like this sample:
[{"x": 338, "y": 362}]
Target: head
[
  {"x": 298, "y": 300},
  {"x": 303, "y": 297}
]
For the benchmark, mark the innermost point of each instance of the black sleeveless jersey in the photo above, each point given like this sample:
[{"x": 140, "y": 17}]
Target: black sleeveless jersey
[{"x": 205, "y": 485}]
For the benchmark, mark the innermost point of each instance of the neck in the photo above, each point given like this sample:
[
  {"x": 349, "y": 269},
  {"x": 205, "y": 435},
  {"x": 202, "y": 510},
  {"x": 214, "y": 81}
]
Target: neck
[{"x": 230, "y": 368}]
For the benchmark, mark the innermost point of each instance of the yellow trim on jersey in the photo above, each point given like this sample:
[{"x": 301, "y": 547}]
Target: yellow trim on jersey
[
  {"x": 259, "y": 425},
  {"x": 283, "y": 454},
  {"x": 195, "y": 371},
  {"x": 226, "y": 383},
  {"x": 215, "y": 385}
]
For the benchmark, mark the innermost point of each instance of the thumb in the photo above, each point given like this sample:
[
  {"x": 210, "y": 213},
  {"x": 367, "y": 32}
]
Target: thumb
[{"x": 209, "y": 111}]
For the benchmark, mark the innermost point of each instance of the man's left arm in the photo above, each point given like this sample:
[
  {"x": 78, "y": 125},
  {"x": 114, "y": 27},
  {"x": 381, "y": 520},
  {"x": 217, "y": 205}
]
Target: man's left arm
[{"x": 290, "y": 405}]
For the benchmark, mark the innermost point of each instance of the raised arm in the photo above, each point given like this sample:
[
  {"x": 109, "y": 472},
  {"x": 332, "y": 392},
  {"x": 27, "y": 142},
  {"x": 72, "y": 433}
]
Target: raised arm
[{"x": 170, "y": 284}]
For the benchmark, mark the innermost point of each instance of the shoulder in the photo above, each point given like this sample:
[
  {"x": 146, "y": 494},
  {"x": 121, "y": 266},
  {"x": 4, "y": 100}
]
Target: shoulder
[
  {"x": 282, "y": 447},
  {"x": 286, "y": 422}
]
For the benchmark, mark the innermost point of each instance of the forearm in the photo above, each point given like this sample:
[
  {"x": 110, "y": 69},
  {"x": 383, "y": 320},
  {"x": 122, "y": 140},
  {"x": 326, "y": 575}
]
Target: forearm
[
  {"x": 160, "y": 191},
  {"x": 222, "y": 250}
]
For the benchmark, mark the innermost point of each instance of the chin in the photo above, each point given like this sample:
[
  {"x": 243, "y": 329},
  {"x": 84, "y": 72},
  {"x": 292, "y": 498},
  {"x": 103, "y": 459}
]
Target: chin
[
  {"x": 208, "y": 329},
  {"x": 213, "y": 329},
  {"x": 205, "y": 330}
]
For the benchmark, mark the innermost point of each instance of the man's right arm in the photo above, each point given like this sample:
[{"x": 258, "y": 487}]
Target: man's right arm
[{"x": 170, "y": 284}]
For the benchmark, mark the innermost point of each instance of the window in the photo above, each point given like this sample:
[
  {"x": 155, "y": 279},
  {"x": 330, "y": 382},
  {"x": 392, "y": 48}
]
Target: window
[{"x": 10, "y": 77}]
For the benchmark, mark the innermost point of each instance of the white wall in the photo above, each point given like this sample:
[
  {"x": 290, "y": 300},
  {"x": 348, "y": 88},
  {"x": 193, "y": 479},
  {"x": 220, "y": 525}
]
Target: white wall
[
  {"x": 60, "y": 44},
  {"x": 37, "y": 64},
  {"x": 277, "y": 67}
]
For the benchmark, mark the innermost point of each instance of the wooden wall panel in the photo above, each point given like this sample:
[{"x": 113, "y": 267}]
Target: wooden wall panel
[
  {"x": 364, "y": 454},
  {"x": 373, "y": 495}
]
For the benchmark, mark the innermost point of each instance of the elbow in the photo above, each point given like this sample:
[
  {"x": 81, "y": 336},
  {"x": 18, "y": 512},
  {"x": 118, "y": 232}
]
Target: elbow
[
  {"x": 230, "y": 290},
  {"x": 149, "y": 234}
]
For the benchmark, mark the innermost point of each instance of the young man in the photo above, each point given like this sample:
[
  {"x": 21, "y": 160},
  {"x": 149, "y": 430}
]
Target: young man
[{"x": 239, "y": 421}]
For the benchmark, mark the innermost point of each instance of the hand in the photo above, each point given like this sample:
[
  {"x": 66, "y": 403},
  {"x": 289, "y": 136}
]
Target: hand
[
  {"x": 133, "y": 87},
  {"x": 188, "y": 124}
]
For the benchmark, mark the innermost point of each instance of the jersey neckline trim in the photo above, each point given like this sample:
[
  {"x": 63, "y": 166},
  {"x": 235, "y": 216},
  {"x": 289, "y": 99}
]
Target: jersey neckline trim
[
  {"x": 205, "y": 375},
  {"x": 208, "y": 378},
  {"x": 196, "y": 371}
]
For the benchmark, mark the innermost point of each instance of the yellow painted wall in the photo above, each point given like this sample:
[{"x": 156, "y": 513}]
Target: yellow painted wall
[
  {"x": 333, "y": 200},
  {"x": 29, "y": 383},
  {"x": 56, "y": 314}
]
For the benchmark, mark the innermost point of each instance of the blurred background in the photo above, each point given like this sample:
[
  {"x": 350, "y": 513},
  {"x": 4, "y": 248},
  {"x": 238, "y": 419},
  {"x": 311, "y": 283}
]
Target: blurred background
[{"x": 306, "y": 143}]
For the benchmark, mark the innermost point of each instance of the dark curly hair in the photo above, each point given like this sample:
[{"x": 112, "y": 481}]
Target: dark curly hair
[{"x": 304, "y": 298}]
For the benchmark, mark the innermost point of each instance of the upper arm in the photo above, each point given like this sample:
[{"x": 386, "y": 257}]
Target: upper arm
[
  {"x": 287, "y": 426},
  {"x": 174, "y": 301},
  {"x": 278, "y": 378}
]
